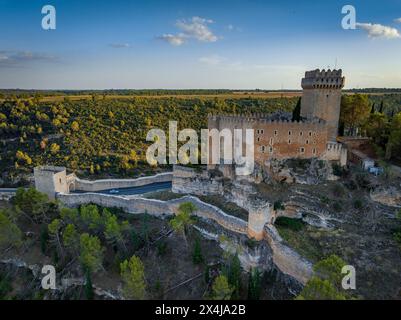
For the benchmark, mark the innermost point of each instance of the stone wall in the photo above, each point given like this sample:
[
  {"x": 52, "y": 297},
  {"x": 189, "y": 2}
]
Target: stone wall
[
  {"x": 105, "y": 184},
  {"x": 286, "y": 259},
  {"x": 7, "y": 194},
  {"x": 137, "y": 205}
]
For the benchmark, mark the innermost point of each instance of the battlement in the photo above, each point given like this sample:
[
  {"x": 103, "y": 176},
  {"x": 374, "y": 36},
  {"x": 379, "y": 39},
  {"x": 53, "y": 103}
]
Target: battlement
[
  {"x": 261, "y": 118},
  {"x": 49, "y": 169},
  {"x": 316, "y": 79}
]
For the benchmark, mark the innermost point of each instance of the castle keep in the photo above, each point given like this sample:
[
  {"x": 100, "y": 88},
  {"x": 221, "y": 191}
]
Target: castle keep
[{"x": 314, "y": 136}]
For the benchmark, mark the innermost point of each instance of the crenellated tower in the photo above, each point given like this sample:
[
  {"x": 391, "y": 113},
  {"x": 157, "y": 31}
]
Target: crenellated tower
[{"x": 321, "y": 98}]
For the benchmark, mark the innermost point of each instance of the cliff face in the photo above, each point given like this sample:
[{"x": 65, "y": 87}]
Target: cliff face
[{"x": 261, "y": 216}]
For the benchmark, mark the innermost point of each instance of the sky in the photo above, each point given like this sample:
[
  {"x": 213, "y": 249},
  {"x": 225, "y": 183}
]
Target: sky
[{"x": 171, "y": 44}]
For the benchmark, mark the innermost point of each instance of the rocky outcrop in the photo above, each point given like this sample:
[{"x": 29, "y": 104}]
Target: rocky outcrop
[
  {"x": 188, "y": 180},
  {"x": 387, "y": 196},
  {"x": 302, "y": 171}
]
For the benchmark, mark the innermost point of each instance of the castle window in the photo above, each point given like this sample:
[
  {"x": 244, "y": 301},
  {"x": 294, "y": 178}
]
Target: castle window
[
  {"x": 289, "y": 132},
  {"x": 275, "y": 132},
  {"x": 314, "y": 150},
  {"x": 310, "y": 133},
  {"x": 262, "y": 131},
  {"x": 289, "y": 141},
  {"x": 258, "y": 139},
  {"x": 302, "y": 150},
  {"x": 301, "y": 133},
  {"x": 271, "y": 141},
  {"x": 307, "y": 141},
  {"x": 262, "y": 149},
  {"x": 271, "y": 149}
]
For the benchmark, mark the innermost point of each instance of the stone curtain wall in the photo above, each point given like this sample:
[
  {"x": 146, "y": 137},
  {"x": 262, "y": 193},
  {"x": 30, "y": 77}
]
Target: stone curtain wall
[
  {"x": 137, "y": 205},
  {"x": 98, "y": 185},
  {"x": 285, "y": 137},
  {"x": 286, "y": 259}
]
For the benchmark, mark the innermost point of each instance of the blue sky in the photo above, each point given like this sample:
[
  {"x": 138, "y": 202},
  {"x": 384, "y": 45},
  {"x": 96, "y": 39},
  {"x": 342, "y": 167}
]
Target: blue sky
[{"x": 196, "y": 44}]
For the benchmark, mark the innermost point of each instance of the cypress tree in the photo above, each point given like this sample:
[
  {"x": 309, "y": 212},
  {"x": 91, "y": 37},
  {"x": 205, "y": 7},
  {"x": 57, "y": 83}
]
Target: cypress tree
[
  {"x": 373, "y": 109},
  {"x": 296, "y": 113},
  {"x": 381, "y": 107},
  {"x": 197, "y": 257},
  {"x": 89, "y": 294}
]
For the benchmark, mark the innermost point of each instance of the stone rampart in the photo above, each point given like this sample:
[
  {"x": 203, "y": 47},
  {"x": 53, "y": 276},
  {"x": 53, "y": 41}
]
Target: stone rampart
[
  {"x": 106, "y": 184},
  {"x": 137, "y": 205}
]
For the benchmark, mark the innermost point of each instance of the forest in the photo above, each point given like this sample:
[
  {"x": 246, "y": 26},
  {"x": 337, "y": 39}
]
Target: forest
[{"x": 102, "y": 136}]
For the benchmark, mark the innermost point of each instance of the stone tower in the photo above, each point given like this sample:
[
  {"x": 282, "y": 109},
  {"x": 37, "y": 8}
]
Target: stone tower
[
  {"x": 51, "y": 180},
  {"x": 321, "y": 98}
]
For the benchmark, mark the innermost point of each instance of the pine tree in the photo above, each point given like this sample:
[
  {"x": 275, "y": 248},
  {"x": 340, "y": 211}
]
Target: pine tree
[{"x": 133, "y": 276}]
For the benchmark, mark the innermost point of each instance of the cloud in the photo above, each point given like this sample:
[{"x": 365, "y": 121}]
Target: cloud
[
  {"x": 398, "y": 20},
  {"x": 120, "y": 45},
  {"x": 379, "y": 31},
  {"x": 19, "y": 58},
  {"x": 175, "y": 40},
  {"x": 212, "y": 59},
  {"x": 196, "y": 28}
]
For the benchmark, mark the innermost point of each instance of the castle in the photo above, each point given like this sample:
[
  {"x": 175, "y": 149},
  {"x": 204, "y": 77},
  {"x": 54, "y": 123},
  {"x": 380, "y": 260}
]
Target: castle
[{"x": 313, "y": 136}]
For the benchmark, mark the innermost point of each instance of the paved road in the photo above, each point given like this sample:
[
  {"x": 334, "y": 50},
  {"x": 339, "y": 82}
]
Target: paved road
[
  {"x": 159, "y": 186},
  {"x": 8, "y": 189}
]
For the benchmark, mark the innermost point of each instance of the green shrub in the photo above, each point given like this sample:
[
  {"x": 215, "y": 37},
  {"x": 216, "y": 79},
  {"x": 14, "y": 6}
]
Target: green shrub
[
  {"x": 161, "y": 248},
  {"x": 278, "y": 205},
  {"x": 358, "y": 204},
  {"x": 337, "y": 206},
  {"x": 337, "y": 170},
  {"x": 290, "y": 223}
]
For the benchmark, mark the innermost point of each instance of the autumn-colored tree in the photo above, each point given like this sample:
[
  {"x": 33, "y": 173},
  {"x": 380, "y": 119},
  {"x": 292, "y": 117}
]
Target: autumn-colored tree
[
  {"x": 54, "y": 148},
  {"x": 221, "y": 290},
  {"x": 75, "y": 126}
]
